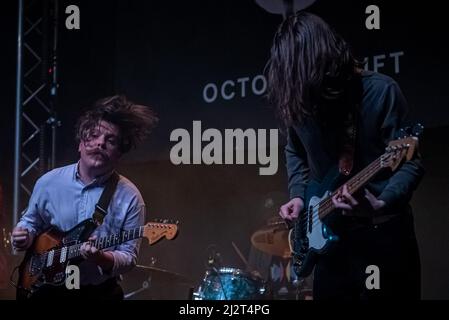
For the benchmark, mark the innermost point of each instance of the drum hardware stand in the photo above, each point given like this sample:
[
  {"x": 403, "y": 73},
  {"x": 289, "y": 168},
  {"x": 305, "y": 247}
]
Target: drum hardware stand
[
  {"x": 221, "y": 282},
  {"x": 145, "y": 284},
  {"x": 212, "y": 263},
  {"x": 298, "y": 283}
]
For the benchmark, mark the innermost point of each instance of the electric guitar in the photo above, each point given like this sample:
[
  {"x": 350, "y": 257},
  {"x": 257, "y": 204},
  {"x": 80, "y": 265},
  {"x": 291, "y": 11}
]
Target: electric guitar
[
  {"x": 46, "y": 260},
  {"x": 310, "y": 236}
]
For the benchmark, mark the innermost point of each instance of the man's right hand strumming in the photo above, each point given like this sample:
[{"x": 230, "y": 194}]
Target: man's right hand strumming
[
  {"x": 291, "y": 209},
  {"x": 21, "y": 238}
]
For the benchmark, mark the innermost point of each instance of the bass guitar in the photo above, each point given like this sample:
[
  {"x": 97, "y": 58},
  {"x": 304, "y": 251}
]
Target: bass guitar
[{"x": 311, "y": 236}]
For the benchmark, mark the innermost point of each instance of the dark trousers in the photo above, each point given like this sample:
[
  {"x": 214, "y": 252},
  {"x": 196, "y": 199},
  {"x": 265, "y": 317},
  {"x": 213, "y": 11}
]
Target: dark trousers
[
  {"x": 108, "y": 290},
  {"x": 391, "y": 246}
]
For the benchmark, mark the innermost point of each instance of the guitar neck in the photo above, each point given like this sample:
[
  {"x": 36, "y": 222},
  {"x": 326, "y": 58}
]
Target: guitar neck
[
  {"x": 354, "y": 184},
  {"x": 108, "y": 241}
]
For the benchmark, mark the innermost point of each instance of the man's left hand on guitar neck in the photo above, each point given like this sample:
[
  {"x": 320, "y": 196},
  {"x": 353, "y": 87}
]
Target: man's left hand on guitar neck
[
  {"x": 104, "y": 259},
  {"x": 347, "y": 203}
]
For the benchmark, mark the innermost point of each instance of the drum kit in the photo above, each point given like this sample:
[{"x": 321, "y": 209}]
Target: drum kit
[
  {"x": 229, "y": 283},
  {"x": 273, "y": 239}
]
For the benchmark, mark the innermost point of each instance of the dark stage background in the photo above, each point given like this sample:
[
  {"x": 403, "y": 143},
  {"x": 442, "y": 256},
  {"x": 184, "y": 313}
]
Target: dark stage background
[{"x": 163, "y": 54}]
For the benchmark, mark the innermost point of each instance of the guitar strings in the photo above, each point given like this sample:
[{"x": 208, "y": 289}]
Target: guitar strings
[
  {"x": 114, "y": 236},
  {"x": 77, "y": 247},
  {"x": 327, "y": 203}
]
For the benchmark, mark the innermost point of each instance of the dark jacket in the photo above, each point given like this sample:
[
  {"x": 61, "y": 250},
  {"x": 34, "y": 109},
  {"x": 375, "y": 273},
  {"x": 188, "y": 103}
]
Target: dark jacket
[{"x": 313, "y": 147}]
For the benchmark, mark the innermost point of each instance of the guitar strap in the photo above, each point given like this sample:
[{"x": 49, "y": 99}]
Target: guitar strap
[
  {"x": 346, "y": 159},
  {"x": 101, "y": 208}
]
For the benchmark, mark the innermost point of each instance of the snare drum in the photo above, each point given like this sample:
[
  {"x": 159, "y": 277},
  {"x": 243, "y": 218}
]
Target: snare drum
[{"x": 230, "y": 284}]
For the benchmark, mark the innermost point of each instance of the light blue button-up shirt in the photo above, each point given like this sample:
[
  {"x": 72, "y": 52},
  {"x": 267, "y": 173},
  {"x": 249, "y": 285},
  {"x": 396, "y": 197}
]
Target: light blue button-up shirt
[{"x": 62, "y": 200}]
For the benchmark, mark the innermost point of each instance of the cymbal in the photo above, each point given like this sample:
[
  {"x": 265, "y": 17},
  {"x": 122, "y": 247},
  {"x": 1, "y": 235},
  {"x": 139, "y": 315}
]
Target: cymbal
[
  {"x": 152, "y": 283},
  {"x": 162, "y": 274},
  {"x": 272, "y": 240}
]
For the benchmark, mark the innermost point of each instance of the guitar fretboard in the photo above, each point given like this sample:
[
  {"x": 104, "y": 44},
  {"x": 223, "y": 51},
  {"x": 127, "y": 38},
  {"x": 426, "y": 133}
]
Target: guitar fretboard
[
  {"x": 109, "y": 241},
  {"x": 354, "y": 184}
]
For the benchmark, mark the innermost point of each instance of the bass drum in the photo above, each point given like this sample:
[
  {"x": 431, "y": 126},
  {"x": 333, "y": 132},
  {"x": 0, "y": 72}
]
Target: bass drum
[{"x": 230, "y": 284}]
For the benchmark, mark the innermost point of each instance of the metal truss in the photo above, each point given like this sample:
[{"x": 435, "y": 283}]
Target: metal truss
[{"x": 36, "y": 88}]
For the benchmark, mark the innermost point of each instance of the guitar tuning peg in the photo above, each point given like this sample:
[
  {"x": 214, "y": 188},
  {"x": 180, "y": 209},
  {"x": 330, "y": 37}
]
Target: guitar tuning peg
[
  {"x": 408, "y": 130},
  {"x": 402, "y": 133},
  {"x": 418, "y": 129}
]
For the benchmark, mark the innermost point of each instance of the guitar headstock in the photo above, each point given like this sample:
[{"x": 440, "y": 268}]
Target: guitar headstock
[
  {"x": 158, "y": 229},
  {"x": 402, "y": 148}
]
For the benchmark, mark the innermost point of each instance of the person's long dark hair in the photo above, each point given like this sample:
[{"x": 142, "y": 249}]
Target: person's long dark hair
[{"x": 309, "y": 63}]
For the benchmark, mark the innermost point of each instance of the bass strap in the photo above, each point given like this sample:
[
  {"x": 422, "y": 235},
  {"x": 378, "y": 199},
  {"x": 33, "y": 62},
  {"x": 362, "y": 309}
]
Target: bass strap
[{"x": 346, "y": 158}]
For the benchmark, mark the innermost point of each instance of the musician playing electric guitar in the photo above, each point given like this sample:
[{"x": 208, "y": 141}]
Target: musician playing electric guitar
[
  {"x": 65, "y": 197},
  {"x": 339, "y": 120}
]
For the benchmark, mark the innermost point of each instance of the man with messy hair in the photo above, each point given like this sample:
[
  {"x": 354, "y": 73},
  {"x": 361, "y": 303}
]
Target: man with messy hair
[{"x": 66, "y": 196}]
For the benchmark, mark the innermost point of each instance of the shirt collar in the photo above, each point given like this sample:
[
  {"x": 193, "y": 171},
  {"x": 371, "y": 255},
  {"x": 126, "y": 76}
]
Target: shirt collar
[{"x": 97, "y": 181}]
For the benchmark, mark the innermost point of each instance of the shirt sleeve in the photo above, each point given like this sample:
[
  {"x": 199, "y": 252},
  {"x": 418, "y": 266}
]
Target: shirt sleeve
[
  {"x": 297, "y": 168},
  {"x": 125, "y": 255},
  {"x": 405, "y": 180},
  {"x": 32, "y": 217}
]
